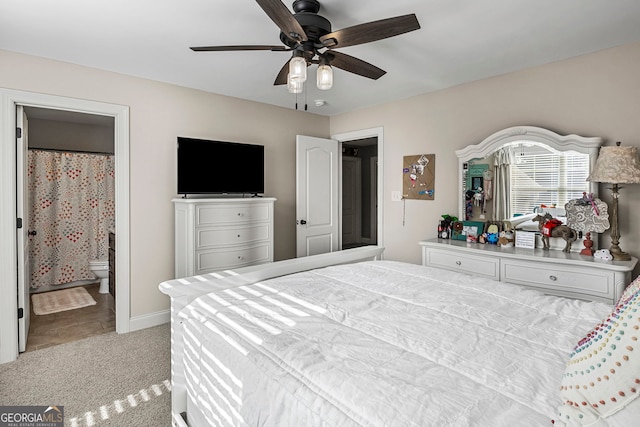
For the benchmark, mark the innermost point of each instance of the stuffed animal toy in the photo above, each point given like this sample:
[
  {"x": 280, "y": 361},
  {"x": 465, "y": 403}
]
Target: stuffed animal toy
[
  {"x": 603, "y": 254},
  {"x": 492, "y": 234},
  {"x": 506, "y": 239}
]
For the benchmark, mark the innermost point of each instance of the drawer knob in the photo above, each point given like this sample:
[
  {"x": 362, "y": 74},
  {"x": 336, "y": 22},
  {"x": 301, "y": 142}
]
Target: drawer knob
[
  {"x": 458, "y": 262},
  {"x": 238, "y": 235},
  {"x": 240, "y": 257},
  {"x": 553, "y": 278}
]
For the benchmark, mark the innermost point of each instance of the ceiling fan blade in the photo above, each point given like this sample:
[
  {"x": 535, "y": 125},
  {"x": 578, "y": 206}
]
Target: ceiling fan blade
[
  {"x": 281, "y": 78},
  {"x": 371, "y": 31},
  {"x": 353, "y": 65},
  {"x": 235, "y": 48},
  {"x": 284, "y": 19}
]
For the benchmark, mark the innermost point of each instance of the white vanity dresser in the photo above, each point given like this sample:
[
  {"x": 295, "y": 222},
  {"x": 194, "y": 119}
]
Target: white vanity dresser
[{"x": 553, "y": 272}]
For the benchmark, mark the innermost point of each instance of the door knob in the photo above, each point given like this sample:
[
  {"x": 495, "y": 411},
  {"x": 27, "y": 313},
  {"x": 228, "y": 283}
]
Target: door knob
[{"x": 302, "y": 222}]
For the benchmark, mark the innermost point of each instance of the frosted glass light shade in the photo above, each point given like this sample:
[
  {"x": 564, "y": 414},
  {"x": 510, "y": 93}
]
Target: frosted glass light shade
[
  {"x": 617, "y": 165},
  {"x": 324, "y": 78},
  {"x": 298, "y": 68},
  {"x": 294, "y": 86}
]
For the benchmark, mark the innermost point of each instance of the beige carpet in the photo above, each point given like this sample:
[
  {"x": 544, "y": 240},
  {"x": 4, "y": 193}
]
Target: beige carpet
[
  {"x": 63, "y": 300},
  {"x": 109, "y": 380}
]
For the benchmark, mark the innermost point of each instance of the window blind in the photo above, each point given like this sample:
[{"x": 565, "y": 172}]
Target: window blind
[{"x": 543, "y": 177}]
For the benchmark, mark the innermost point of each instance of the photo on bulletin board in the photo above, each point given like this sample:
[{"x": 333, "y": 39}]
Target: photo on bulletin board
[{"x": 418, "y": 176}]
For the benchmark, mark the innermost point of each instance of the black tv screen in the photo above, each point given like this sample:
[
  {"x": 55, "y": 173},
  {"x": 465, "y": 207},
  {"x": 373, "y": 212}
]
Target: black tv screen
[{"x": 219, "y": 167}]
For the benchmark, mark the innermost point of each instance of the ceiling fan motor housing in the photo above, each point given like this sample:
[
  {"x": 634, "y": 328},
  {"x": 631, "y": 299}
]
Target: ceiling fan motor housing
[
  {"x": 314, "y": 26},
  {"x": 312, "y": 6}
]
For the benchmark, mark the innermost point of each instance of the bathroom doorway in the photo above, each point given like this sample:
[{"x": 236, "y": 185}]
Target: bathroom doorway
[
  {"x": 13, "y": 312},
  {"x": 61, "y": 144},
  {"x": 359, "y": 192}
]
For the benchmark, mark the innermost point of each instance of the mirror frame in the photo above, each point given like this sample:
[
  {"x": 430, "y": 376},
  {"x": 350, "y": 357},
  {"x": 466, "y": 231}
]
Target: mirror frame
[{"x": 581, "y": 144}]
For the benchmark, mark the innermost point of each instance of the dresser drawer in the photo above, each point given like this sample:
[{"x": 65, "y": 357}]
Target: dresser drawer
[
  {"x": 231, "y": 214},
  {"x": 464, "y": 263},
  {"x": 214, "y": 260},
  {"x": 559, "y": 279},
  {"x": 226, "y": 236}
]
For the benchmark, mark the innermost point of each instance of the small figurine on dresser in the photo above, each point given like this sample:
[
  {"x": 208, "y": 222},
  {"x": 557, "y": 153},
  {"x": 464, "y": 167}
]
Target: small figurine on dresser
[
  {"x": 551, "y": 227},
  {"x": 444, "y": 226},
  {"x": 506, "y": 239},
  {"x": 493, "y": 234}
]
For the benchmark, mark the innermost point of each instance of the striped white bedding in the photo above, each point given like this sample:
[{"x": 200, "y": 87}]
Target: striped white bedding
[{"x": 379, "y": 343}]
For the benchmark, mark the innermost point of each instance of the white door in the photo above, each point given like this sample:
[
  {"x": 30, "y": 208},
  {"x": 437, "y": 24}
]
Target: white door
[
  {"x": 317, "y": 195},
  {"x": 23, "y": 232}
]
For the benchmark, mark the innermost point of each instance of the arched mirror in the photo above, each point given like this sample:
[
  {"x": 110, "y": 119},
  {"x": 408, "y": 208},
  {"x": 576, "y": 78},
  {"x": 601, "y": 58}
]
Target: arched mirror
[{"x": 519, "y": 170}]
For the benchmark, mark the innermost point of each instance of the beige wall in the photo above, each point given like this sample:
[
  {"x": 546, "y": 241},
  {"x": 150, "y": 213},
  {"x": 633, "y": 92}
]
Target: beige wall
[
  {"x": 158, "y": 114},
  {"x": 591, "y": 95}
]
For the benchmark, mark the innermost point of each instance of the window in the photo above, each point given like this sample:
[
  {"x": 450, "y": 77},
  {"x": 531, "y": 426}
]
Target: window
[{"x": 540, "y": 176}]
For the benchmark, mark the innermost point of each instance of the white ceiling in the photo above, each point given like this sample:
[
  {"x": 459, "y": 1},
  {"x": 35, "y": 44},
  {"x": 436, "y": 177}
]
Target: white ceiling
[{"x": 460, "y": 41}]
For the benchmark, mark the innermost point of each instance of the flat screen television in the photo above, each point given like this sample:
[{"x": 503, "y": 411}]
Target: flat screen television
[{"x": 219, "y": 167}]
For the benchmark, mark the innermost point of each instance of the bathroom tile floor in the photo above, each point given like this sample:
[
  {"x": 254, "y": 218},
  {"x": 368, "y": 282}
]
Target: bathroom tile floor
[{"x": 72, "y": 325}]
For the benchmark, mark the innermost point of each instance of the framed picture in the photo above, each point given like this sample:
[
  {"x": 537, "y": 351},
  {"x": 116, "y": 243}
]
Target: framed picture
[
  {"x": 477, "y": 182},
  {"x": 463, "y": 229}
]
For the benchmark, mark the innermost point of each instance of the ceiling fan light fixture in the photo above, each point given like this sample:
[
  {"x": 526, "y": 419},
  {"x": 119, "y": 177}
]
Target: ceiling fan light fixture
[
  {"x": 298, "y": 69},
  {"x": 294, "y": 86},
  {"x": 324, "y": 77}
]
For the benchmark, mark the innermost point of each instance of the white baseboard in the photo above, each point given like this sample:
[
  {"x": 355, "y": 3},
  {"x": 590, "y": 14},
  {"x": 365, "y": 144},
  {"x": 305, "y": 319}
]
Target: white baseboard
[{"x": 149, "y": 320}]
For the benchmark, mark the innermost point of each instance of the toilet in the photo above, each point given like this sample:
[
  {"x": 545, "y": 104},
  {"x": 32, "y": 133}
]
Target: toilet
[{"x": 100, "y": 267}]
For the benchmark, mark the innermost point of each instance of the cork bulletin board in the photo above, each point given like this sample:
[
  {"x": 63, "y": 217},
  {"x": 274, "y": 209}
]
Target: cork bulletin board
[{"x": 418, "y": 176}]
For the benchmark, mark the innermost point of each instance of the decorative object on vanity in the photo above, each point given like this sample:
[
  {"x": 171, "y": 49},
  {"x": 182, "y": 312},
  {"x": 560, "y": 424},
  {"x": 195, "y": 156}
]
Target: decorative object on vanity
[
  {"x": 506, "y": 239},
  {"x": 603, "y": 254},
  {"x": 551, "y": 227},
  {"x": 616, "y": 165},
  {"x": 492, "y": 234},
  {"x": 467, "y": 230},
  {"x": 525, "y": 239},
  {"x": 418, "y": 176},
  {"x": 444, "y": 227},
  {"x": 587, "y": 215}
]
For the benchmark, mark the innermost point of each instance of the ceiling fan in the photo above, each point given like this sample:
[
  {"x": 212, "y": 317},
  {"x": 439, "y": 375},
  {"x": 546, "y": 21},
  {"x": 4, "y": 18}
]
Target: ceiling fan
[{"x": 310, "y": 37}]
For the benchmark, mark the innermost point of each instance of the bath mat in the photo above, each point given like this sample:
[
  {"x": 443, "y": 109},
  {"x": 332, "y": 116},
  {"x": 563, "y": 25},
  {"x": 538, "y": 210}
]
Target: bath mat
[{"x": 62, "y": 300}]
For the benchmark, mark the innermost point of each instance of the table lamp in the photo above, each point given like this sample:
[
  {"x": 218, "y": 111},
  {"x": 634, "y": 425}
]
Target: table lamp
[{"x": 616, "y": 165}]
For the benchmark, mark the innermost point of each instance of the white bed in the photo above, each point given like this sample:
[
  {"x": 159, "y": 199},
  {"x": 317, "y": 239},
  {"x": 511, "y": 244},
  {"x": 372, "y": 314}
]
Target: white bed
[{"x": 373, "y": 343}]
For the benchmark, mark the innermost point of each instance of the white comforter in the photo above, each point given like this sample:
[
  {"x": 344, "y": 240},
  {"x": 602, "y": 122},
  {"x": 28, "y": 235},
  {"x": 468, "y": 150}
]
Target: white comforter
[{"x": 379, "y": 343}]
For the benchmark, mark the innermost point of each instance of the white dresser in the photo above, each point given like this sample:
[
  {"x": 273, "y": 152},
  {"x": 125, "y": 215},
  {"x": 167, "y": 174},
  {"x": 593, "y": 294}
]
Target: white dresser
[
  {"x": 220, "y": 234},
  {"x": 552, "y": 272}
]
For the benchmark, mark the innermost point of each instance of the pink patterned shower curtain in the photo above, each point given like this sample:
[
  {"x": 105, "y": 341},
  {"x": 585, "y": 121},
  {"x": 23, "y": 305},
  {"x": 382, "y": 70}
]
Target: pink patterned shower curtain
[{"x": 72, "y": 200}]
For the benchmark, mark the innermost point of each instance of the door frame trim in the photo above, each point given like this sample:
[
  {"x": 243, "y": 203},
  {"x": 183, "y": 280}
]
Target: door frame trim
[
  {"x": 8, "y": 236},
  {"x": 377, "y": 132}
]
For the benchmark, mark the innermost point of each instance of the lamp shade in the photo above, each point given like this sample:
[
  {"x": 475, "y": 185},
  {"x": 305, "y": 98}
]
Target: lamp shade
[
  {"x": 324, "y": 79},
  {"x": 617, "y": 165},
  {"x": 298, "y": 69},
  {"x": 294, "y": 86}
]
